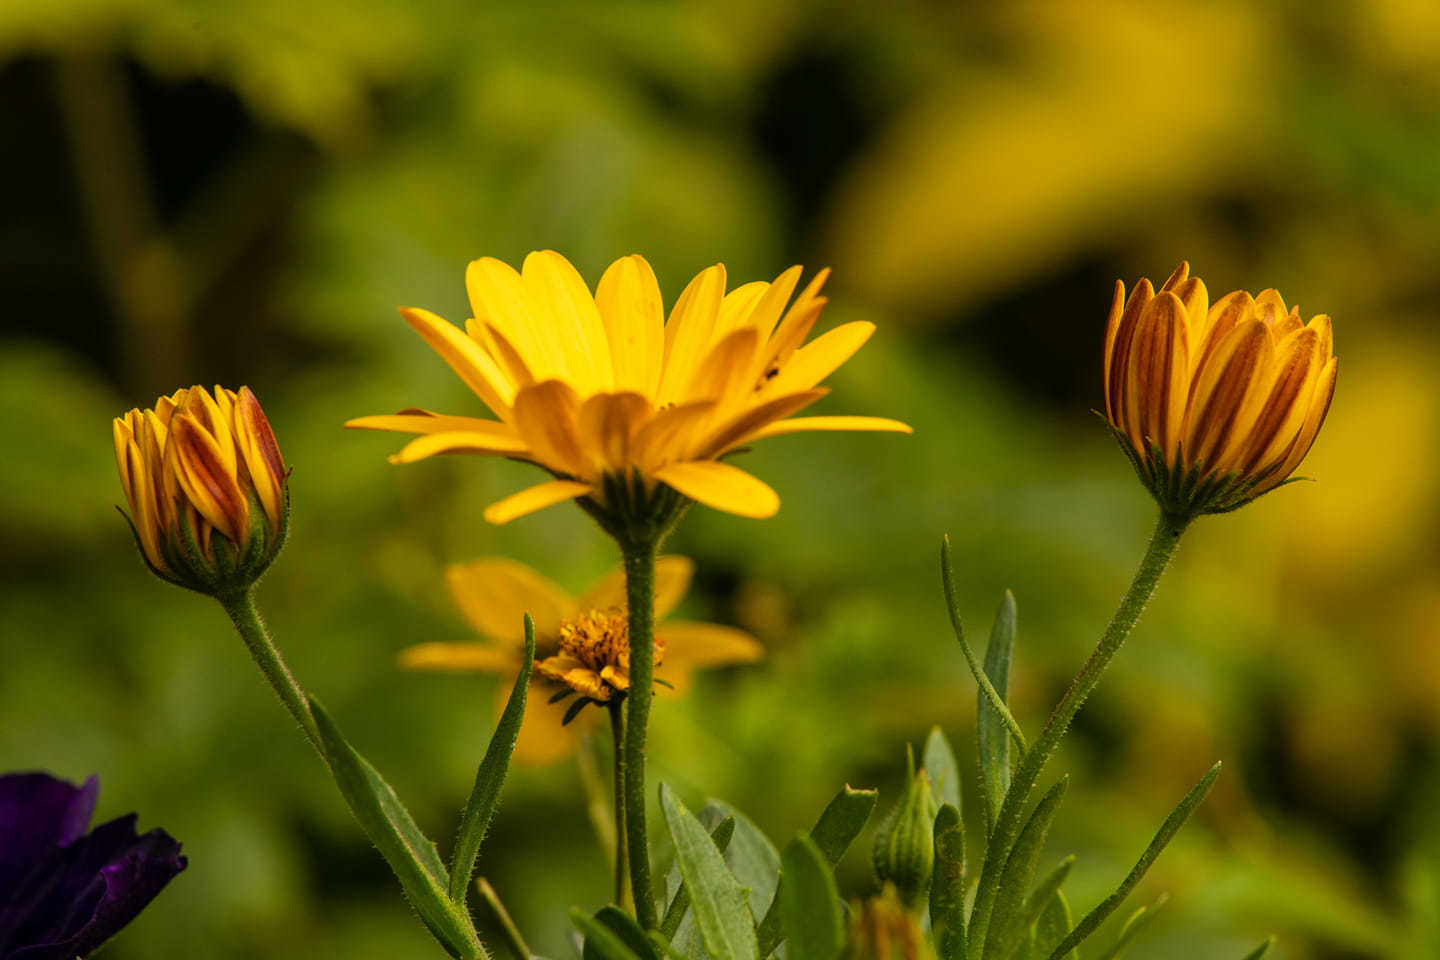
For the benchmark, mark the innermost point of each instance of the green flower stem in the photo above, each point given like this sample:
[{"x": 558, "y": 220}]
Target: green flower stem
[
  {"x": 640, "y": 600},
  {"x": 502, "y": 917},
  {"x": 241, "y": 608},
  {"x": 1007, "y": 825},
  {"x": 622, "y": 854}
]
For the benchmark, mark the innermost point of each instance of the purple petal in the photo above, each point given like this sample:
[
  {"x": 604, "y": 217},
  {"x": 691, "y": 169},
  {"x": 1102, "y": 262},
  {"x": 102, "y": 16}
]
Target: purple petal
[{"x": 38, "y": 812}]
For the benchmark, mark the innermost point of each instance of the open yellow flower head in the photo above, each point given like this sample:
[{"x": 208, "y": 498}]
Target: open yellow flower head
[
  {"x": 580, "y": 642},
  {"x": 619, "y": 404},
  {"x": 1214, "y": 404},
  {"x": 206, "y": 485}
]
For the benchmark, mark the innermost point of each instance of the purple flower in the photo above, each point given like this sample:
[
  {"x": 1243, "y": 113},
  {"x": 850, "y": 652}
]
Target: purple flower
[{"x": 64, "y": 892}]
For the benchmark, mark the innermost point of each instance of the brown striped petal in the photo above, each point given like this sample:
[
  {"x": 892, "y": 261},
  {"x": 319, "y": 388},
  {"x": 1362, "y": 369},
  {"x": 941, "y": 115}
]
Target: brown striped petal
[
  {"x": 1158, "y": 384},
  {"x": 1221, "y": 386}
]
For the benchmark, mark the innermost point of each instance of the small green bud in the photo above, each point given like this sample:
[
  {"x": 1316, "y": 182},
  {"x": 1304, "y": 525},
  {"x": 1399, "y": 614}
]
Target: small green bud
[
  {"x": 904, "y": 851},
  {"x": 883, "y": 928}
]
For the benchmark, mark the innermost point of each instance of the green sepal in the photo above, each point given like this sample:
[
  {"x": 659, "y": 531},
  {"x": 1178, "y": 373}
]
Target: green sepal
[
  {"x": 993, "y": 736},
  {"x": 721, "y": 835},
  {"x": 1261, "y": 950},
  {"x": 720, "y": 904},
  {"x": 625, "y": 929},
  {"x": 840, "y": 823},
  {"x": 940, "y": 766},
  {"x": 1007, "y": 921},
  {"x": 393, "y": 831},
  {"x": 1035, "y": 906},
  {"x": 1136, "y": 923},
  {"x": 1163, "y": 836},
  {"x": 1052, "y": 926},
  {"x": 810, "y": 903},
  {"x": 603, "y": 940},
  {"x": 947, "y": 885},
  {"x": 491, "y": 776}
]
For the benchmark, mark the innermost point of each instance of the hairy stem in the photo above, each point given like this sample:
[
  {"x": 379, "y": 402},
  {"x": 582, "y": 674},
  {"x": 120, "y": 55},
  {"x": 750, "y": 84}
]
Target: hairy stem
[
  {"x": 640, "y": 600},
  {"x": 241, "y": 608}
]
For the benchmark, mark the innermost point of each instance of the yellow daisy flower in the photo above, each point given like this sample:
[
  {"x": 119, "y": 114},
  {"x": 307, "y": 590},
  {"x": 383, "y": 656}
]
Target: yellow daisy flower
[
  {"x": 495, "y": 593},
  {"x": 1214, "y": 405},
  {"x": 605, "y": 394}
]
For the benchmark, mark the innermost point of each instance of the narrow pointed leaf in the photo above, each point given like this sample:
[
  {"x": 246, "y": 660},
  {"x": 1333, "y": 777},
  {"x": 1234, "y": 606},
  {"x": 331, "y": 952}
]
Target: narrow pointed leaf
[
  {"x": 721, "y": 908},
  {"x": 491, "y": 776},
  {"x": 1137, "y": 922},
  {"x": 680, "y": 903},
  {"x": 1053, "y": 926},
  {"x": 393, "y": 831},
  {"x": 810, "y": 903},
  {"x": 625, "y": 929},
  {"x": 839, "y": 824},
  {"x": 603, "y": 940},
  {"x": 941, "y": 768},
  {"x": 1167, "y": 831},
  {"x": 1015, "y": 879},
  {"x": 994, "y": 736},
  {"x": 1261, "y": 950},
  {"x": 1035, "y": 904},
  {"x": 947, "y": 885}
]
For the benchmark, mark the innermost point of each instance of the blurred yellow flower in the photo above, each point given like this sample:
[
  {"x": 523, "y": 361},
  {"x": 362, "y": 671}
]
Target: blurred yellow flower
[
  {"x": 611, "y": 398},
  {"x": 495, "y": 593},
  {"x": 1214, "y": 405},
  {"x": 195, "y": 466},
  {"x": 594, "y": 655}
]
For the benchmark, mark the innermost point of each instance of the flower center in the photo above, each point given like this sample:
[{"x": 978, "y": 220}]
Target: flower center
[{"x": 594, "y": 654}]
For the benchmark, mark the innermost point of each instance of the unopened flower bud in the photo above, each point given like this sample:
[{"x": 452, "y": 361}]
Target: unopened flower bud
[
  {"x": 904, "y": 850},
  {"x": 884, "y": 928},
  {"x": 207, "y": 488}
]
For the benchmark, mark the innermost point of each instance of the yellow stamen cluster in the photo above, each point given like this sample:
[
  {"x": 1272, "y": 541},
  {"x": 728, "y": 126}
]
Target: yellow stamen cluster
[
  {"x": 594, "y": 657},
  {"x": 1214, "y": 404},
  {"x": 196, "y": 466}
]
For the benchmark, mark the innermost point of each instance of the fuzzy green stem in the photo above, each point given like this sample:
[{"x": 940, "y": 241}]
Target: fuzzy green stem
[
  {"x": 622, "y": 853},
  {"x": 241, "y": 608},
  {"x": 1007, "y": 825},
  {"x": 640, "y": 600},
  {"x": 502, "y": 916}
]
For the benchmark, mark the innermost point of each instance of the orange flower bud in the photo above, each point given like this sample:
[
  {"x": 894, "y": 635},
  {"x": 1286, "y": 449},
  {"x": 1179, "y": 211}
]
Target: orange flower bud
[
  {"x": 206, "y": 486},
  {"x": 1214, "y": 405}
]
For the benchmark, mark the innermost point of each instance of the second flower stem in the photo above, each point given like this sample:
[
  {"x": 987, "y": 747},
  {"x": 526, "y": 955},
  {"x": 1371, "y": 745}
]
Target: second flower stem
[
  {"x": 241, "y": 608},
  {"x": 1007, "y": 825},
  {"x": 640, "y": 603},
  {"x": 622, "y": 853}
]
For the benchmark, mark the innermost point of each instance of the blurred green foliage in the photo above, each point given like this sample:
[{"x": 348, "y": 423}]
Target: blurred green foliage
[{"x": 244, "y": 191}]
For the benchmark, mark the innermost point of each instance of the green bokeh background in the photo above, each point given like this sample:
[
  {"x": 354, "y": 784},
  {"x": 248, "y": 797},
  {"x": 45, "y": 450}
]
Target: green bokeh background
[{"x": 243, "y": 192}]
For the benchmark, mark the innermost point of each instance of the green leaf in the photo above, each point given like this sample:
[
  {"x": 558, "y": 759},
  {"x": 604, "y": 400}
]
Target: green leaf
[
  {"x": 721, "y": 908},
  {"x": 839, "y": 824},
  {"x": 810, "y": 903},
  {"x": 602, "y": 940},
  {"x": 994, "y": 736},
  {"x": 1260, "y": 951},
  {"x": 625, "y": 929},
  {"x": 750, "y": 856},
  {"x": 940, "y": 767},
  {"x": 390, "y": 827},
  {"x": 1137, "y": 922},
  {"x": 1167, "y": 831},
  {"x": 491, "y": 776},
  {"x": 1005, "y": 921},
  {"x": 1052, "y": 927},
  {"x": 947, "y": 885},
  {"x": 1034, "y": 907},
  {"x": 680, "y": 903}
]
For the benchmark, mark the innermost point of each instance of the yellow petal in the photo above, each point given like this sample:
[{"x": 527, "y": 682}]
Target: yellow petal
[
  {"x": 767, "y": 311},
  {"x": 736, "y": 308},
  {"x": 670, "y": 432},
  {"x": 1319, "y": 406},
  {"x": 818, "y": 359},
  {"x": 1112, "y": 327},
  {"x": 474, "y": 366},
  {"x": 201, "y": 470},
  {"x": 1119, "y": 369},
  {"x": 534, "y": 498},
  {"x": 722, "y": 375},
  {"x": 694, "y": 644},
  {"x": 458, "y": 658},
  {"x": 742, "y": 428},
  {"x": 1235, "y": 368},
  {"x": 494, "y": 594},
  {"x": 807, "y": 424},
  {"x": 546, "y": 415},
  {"x": 628, "y": 299},
  {"x": 688, "y": 332},
  {"x": 1178, "y": 276},
  {"x": 608, "y": 424},
  {"x": 721, "y": 486},
  {"x": 423, "y": 421},
  {"x": 556, "y": 292},
  {"x": 459, "y": 442},
  {"x": 798, "y": 321},
  {"x": 498, "y": 296},
  {"x": 1228, "y": 312},
  {"x": 261, "y": 455},
  {"x": 1159, "y": 375},
  {"x": 672, "y": 581},
  {"x": 1285, "y": 407},
  {"x": 504, "y": 352}
]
